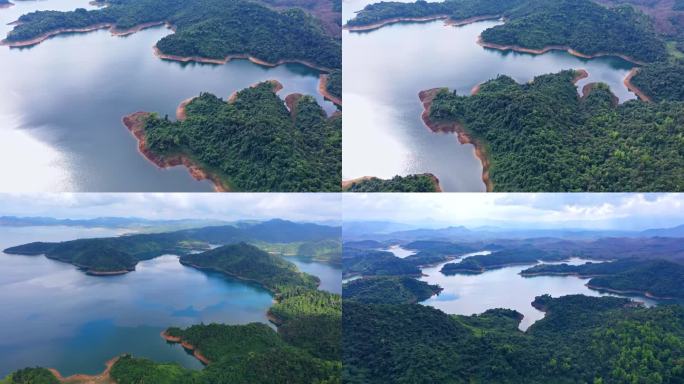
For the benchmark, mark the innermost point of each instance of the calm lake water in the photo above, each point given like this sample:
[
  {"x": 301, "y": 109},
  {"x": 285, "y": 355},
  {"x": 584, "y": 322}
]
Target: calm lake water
[
  {"x": 385, "y": 69},
  {"x": 504, "y": 288},
  {"x": 60, "y": 118},
  {"x": 56, "y": 316},
  {"x": 330, "y": 275}
]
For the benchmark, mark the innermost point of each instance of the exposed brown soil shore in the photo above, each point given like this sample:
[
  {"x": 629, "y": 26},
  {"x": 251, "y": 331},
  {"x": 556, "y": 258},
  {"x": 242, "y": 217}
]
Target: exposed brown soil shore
[
  {"x": 633, "y": 88},
  {"x": 135, "y": 123},
  {"x": 114, "y": 31},
  {"x": 195, "y": 352},
  {"x": 107, "y": 273},
  {"x": 102, "y": 378},
  {"x": 199, "y": 59},
  {"x": 323, "y": 90},
  {"x": 347, "y": 184},
  {"x": 426, "y": 97},
  {"x": 394, "y": 20},
  {"x": 629, "y": 292},
  {"x": 566, "y": 48}
]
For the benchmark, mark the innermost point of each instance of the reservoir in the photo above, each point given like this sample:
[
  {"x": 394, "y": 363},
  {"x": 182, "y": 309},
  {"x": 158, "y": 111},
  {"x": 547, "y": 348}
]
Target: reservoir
[
  {"x": 57, "y": 316},
  {"x": 60, "y": 120},
  {"x": 504, "y": 288},
  {"x": 384, "y": 69}
]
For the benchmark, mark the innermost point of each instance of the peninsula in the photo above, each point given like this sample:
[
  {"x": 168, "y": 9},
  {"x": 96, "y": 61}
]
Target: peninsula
[{"x": 250, "y": 143}]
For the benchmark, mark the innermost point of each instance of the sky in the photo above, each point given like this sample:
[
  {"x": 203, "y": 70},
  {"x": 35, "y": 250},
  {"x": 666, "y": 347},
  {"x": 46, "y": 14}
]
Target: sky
[
  {"x": 320, "y": 207},
  {"x": 628, "y": 211}
]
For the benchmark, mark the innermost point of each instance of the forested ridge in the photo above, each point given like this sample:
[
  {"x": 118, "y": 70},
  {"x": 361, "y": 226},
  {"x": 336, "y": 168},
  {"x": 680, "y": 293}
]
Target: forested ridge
[
  {"x": 253, "y": 142},
  {"x": 334, "y": 84},
  {"x": 579, "y": 24},
  {"x": 580, "y": 340},
  {"x": 211, "y": 29},
  {"x": 425, "y": 182},
  {"x": 500, "y": 259},
  {"x": 541, "y": 136},
  {"x": 660, "y": 278},
  {"x": 112, "y": 254}
]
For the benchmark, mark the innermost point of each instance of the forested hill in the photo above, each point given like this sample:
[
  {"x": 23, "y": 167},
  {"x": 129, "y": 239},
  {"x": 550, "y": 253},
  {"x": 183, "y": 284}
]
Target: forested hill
[
  {"x": 662, "y": 81},
  {"x": 247, "y": 262},
  {"x": 425, "y": 182},
  {"x": 211, "y": 29},
  {"x": 659, "y": 278},
  {"x": 121, "y": 254},
  {"x": 579, "y": 24},
  {"x": 541, "y": 136},
  {"x": 580, "y": 340},
  {"x": 253, "y": 142}
]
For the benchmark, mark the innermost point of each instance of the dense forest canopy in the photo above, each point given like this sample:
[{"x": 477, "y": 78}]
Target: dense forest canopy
[
  {"x": 541, "y": 136},
  {"x": 211, "y": 29},
  {"x": 334, "y": 84},
  {"x": 579, "y": 24},
  {"x": 389, "y": 290},
  {"x": 254, "y": 142},
  {"x": 365, "y": 262},
  {"x": 412, "y": 183},
  {"x": 662, "y": 81},
  {"x": 581, "y": 339},
  {"x": 248, "y": 262}
]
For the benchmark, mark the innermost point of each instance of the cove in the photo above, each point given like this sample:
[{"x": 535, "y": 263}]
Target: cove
[
  {"x": 383, "y": 133},
  {"x": 60, "y": 121},
  {"x": 505, "y": 288},
  {"x": 57, "y": 316}
]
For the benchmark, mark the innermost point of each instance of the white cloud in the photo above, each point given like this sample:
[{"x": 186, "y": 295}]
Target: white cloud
[
  {"x": 224, "y": 206},
  {"x": 534, "y": 210}
]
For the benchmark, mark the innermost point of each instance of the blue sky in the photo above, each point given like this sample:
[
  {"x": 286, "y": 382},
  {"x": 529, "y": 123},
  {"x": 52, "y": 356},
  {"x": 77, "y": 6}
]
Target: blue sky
[
  {"x": 222, "y": 206},
  {"x": 525, "y": 210}
]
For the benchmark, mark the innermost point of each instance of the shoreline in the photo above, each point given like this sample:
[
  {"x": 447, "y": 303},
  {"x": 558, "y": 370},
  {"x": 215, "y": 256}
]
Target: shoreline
[
  {"x": 107, "y": 273},
  {"x": 426, "y": 97},
  {"x": 89, "y": 379},
  {"x": 629, "y": 292},
  {"x": 195, "y": 352},
  {"x": 111, "y": 27},
  {"x": 135, "y": 124},
  {"x": 240, "y": 56},
  {"x": 394, "y": 20},
  {"x": 517, "y": 48},
  {"x": 322, "y": 89},
  {"x": 641, "y": 95},
  {"x": 346, "y": 184}
]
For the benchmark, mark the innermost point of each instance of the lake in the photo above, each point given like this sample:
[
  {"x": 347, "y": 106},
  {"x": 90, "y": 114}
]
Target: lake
[
  {"x": 384, "y": 69},
  {"x": 56, "y": 316},
  {"x": 60, "y": 119},
  {"x": 504, "y": 288}
]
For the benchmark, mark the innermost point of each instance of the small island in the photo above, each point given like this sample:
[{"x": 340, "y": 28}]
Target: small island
[
  {"x": 253, "y": 142},
  {"x": 567, "y": 142},
  {"x": 425, "y": 182},
  {"x": 390, "y": 290},
  {"x": 500, "y": 259}
]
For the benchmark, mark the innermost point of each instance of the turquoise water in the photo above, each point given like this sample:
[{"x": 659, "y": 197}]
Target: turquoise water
[
  {"x": 64, "y": 99},
  {"x": 56, "y": 316}
]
